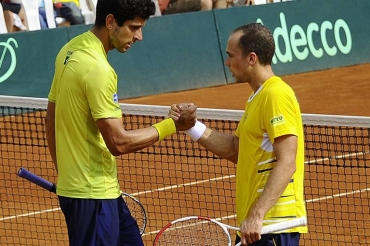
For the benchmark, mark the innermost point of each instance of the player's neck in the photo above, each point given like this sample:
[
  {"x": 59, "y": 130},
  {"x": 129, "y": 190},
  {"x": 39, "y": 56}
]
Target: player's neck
[
  {"x": 261, "y": 74},
  {"x": 102, "y": 34}
]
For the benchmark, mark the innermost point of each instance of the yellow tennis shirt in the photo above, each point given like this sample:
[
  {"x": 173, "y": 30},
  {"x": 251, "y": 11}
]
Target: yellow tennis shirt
[
  {"x": 84, "y": 89},
  {"x": 270, "y": 112}
]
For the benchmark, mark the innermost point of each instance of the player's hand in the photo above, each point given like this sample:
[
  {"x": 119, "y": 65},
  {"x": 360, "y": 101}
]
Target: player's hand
[
  {"x": 174, "y": 112},
  {"x": 184, "y": 115},
  {"x": 250, "y": 230}
]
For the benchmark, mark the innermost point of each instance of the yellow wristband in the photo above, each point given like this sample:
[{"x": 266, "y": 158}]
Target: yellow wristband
[{"x": 165, "y": 128}]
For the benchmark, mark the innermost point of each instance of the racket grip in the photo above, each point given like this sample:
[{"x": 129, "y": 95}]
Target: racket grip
[
  {"x": 24, "y": 173},
  {"x": 284, "y": 225},
  {"x": 281, "y": 226}
]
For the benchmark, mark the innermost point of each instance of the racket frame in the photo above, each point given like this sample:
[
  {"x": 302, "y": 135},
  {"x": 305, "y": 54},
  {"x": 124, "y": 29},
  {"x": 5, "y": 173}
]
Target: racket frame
[
  {"x": 224, "y": 227},
  {"x": 47, "y": 185},
  {"x": 143, "y": 211},
  {"x": 280, "y": 226}
]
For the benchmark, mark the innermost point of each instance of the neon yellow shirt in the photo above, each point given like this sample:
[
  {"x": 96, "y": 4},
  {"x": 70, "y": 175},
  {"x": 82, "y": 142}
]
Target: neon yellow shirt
[
  {"x": 270, "y": 112},
  {"x": 84, "y": 89}
]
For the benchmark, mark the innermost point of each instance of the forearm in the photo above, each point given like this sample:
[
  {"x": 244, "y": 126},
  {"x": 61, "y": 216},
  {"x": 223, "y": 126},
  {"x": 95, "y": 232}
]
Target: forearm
[
  {"x": 50, "y": 137},
  {"x": 275, "y": 186},
  {"x": 50, "y": 132},
  {"x": 131, "y": 141},
  {"x": 119, "y": 141},
  {"x": 285, "y": 149},
  {"x": 221, "y": 144}
]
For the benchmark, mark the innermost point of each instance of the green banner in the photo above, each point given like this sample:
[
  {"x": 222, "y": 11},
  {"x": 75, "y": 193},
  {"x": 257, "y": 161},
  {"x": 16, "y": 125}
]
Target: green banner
[
  {"x": 309, "y": 34},
  {"x": 187, "y": 51}
]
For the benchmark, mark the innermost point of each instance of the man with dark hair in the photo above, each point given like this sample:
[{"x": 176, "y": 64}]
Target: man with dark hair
[
  {"x": 268, "y": 145},
  {"x": 85, "y": 131}
]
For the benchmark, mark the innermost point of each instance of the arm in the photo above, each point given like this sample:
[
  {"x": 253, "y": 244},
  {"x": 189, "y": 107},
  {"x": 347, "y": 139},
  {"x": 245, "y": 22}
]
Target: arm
[
  {"x": 50, "y": 132},
  {"x": 285, "y": 148},
  {"x": 119, "y": 141},
  {"x": 221, "y": 144}
]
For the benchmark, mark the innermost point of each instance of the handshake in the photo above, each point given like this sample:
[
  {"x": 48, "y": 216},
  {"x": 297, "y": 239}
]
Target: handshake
[
  {"x": 184, "y": 115},
  {"x": 181, "y": 117},
  {"x": 185, "y": 118}
]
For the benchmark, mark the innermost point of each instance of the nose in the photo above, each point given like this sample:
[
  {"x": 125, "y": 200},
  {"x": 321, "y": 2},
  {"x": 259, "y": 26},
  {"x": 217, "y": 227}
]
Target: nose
[
  {"x": 227, "y": 62},
  {"x": 138, "y": 35}
]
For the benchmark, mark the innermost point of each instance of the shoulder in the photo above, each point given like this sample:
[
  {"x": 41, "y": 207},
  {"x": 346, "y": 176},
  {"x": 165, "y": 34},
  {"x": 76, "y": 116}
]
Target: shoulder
[{"x": 277, "y": 86}]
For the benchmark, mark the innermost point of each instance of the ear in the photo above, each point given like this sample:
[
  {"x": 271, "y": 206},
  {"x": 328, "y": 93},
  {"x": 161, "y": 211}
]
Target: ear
[
  {"x": 110, "y": 22},
  {"x": 253, "y": 58}
]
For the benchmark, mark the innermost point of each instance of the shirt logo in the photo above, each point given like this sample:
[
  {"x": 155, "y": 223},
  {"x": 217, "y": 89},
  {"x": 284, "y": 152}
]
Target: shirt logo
[
  {"x": 115, "y": 98},
  {"x": 69, "y": 53},
  {"x": 278, "y": 120}
]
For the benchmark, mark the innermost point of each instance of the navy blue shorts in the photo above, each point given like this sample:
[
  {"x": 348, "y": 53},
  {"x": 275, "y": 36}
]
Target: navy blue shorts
[
  {"x": 283, "y": 239},
  {"x": 92, "y": 222}
]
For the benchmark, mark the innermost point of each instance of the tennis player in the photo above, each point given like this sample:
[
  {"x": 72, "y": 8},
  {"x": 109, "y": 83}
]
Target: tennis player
[
  {"x": 85, "y": 130},
  {"x": 268, "y": 145}
]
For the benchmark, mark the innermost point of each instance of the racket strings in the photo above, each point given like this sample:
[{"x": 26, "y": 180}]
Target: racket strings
[
  {"x": 137, "y": 211},
  {"x": 194, "y": 232}
]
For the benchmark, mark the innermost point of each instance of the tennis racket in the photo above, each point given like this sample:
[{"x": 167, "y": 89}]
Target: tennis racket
[
  {"x": 134, "y": 205},
  {"x": 203, "y": 231}
]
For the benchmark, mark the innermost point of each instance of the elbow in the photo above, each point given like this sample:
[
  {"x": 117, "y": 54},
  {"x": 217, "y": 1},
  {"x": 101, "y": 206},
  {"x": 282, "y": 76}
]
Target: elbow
[
  {"x": 233, "y": 158},
  {"x": 118, "y": 148},
  {"x": 293, "y": 167},
  {"x": 115, "y": 150},
  {"x": 47, "y": 119}
]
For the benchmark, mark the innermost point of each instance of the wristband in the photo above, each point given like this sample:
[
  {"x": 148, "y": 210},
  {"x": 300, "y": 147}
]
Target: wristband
[
  {"x": 196, "y": 131},
  {"x": 165, "y": 128}
]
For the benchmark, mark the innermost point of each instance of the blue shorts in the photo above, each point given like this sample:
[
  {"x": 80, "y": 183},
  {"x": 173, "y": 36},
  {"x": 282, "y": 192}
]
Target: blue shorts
[
  {"x": 99, "y": 222},
  {"x": 283, "y": 239}
]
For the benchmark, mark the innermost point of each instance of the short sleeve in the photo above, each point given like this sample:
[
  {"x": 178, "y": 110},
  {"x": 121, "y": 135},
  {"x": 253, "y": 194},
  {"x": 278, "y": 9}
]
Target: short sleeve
[
  {"x": 101, "y": 93},
  {"x": 52, "y": 92},
  {"x": 279, "y": 117}
]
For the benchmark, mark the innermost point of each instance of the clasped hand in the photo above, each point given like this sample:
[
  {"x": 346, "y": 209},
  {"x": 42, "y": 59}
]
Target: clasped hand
[{"x": 184, "y": 115}]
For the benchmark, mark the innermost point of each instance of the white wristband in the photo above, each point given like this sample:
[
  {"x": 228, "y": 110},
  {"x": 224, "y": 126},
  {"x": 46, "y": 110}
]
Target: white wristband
[{"x": 196, "y": 131}]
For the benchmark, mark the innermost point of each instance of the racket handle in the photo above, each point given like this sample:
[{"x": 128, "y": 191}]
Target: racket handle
[
  {"x": 24, "y": 173},
  {"x": 281, "y": 226}
]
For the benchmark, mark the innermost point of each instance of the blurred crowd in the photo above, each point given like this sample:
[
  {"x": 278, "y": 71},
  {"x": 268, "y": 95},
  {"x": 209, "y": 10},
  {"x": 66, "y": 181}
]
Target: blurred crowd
[{"x": 78, "y": 12}]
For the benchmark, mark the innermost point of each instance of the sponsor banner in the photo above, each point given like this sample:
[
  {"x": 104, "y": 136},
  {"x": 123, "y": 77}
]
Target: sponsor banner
[
  {"x": 187, "y": 51},
  {"x": 27, "y": 61},
  {"x": 178, "y": 52},
  {"x": 309, "y": 34}
]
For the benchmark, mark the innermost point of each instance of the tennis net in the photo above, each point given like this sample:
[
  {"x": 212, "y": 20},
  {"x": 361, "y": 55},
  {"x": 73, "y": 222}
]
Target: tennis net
[{"x": 177, "y": 177}]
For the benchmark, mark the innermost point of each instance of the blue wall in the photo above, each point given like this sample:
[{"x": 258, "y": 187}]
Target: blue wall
[{"x": 187, "y": 51}]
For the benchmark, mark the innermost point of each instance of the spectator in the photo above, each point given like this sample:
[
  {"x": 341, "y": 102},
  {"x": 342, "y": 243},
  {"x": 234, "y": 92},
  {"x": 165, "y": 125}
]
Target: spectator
[
  {"x": 69, "y": 10},
  {"x": 157, "y": 8},
  {"x": 42, "y": 15},
  {"x": 14, "y": 15},
  {"x": 238, "y": 3},
  {"x": 183, "y": 6}
]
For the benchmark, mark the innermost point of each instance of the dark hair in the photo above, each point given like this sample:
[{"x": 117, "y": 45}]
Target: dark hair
[
  {"x": 258, "y": 39},
  {"x": 123, "y": 10}
]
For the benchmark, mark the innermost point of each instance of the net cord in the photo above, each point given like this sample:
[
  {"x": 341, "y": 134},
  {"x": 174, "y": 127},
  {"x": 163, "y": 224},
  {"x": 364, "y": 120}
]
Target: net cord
[{"x": 202, "y": 113}]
